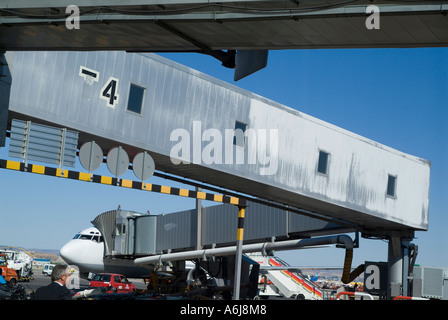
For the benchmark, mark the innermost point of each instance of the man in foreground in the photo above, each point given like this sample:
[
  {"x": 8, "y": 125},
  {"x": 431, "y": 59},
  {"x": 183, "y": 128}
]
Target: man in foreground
[{"x": 57, "y": 289}]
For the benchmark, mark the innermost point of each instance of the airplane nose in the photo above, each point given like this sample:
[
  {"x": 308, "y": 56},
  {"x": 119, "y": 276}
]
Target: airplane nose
[{"x": 68, "y": 252}]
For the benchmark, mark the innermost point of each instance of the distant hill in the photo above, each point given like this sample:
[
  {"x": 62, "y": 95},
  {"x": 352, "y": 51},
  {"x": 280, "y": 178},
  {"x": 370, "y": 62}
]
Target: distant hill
[{"x": 53, "y": 255}]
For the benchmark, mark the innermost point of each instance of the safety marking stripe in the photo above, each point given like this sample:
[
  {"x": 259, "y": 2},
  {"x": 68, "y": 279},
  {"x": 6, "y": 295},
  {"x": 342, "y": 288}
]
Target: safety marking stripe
[
  {"x": 240, "y": 232},
  {"x": 126, "y": 183},
  {"x": 13, "y": 165},
  {"x": 37, "y": 169},
  {"x": 88, "y": 177}
]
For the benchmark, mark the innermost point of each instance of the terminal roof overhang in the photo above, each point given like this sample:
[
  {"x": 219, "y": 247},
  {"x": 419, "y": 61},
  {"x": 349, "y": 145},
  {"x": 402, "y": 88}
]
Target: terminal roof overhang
[{"x": 200, "y": 25}]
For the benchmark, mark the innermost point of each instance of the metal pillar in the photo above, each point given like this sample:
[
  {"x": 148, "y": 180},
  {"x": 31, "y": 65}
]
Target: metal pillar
[
  {"x": 239, "y": 253},
  {"x": 395, "y": 266},
  {"x": 399, "y": 253},
  {"x": 398, "y": 265},
  {"x": 405, "y": 277},
  {"x": 198, "y": 221}
]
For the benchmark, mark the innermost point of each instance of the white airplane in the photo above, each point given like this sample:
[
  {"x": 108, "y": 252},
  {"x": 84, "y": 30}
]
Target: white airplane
[{"x": 86, "y": 251}]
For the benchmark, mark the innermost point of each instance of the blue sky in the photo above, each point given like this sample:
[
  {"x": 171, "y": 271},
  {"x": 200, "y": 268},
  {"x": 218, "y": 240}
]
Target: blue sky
[{"x": 397, "y": 97}]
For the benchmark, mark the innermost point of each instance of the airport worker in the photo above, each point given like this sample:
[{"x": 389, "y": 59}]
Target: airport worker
[{"x": 57, "y": 289}]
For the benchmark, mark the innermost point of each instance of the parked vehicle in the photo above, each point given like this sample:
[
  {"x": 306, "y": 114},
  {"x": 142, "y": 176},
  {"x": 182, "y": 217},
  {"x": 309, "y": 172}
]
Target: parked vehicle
[
  {"x": 21, "y": 261},
  {"x": 9, "y": 274},
  {"x": 113, "y": 282},
  {"x": 48, "y": 268}
]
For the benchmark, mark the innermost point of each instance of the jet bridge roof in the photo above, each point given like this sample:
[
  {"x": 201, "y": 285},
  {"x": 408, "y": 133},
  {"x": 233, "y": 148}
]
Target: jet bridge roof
[{"x": 298, "y": 160}]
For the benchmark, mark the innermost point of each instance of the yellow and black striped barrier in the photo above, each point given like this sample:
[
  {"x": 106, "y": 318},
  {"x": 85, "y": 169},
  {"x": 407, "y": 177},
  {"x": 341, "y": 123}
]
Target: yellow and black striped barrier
[{"x": 88, "y": 177}]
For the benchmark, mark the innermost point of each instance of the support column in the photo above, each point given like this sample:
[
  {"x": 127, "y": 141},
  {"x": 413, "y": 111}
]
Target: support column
[
  {"x": 398, "y": 265},
  {"x": 395, "y": 267},
  {"x": 405, "y": 276},
  {"x": 239, "y": 253},
  {"x": 198, "y": 221}
]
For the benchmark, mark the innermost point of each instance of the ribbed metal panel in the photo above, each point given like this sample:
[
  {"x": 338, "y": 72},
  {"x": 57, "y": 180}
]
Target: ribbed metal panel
[
  {"x": 263, "y": 222},
  {"x": 131, "y": 233},
  {"x": 105, "y": 223},
  {"x": 145, "y": 235},
  {"x": 33, "y": 141},
  {"x": 219, "y": 225},
  {"x": 307, "y": 226},
  {"x": 260, "y": 223},
  {"x": 176, "y": 230},
  {"x": 434, "y": 281}
]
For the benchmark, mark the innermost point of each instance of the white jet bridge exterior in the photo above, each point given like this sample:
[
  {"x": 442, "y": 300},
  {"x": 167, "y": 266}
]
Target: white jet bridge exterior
[
  {"x": 187, "y": 120},
  {"x": 199, "y": 128}
]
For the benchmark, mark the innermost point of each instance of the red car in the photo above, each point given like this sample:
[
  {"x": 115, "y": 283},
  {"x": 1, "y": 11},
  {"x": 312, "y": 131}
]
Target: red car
[{"x": 116, "y": 283}]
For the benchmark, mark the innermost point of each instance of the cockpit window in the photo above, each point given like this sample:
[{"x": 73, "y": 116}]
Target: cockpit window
[
  {"x": 86, "y": 237},
  {"x": 93, "y": 237},
  {"x": 97, "y": 238}
]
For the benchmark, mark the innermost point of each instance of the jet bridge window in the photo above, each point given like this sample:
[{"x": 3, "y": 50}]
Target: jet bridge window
[
  {"x": 135, "y": 101},
  {"x": 120, "y": 229},
  {"x": 240, "y": 129},
  {"x": 391, "y": 186},
  {"x": 322, "y": 165}
]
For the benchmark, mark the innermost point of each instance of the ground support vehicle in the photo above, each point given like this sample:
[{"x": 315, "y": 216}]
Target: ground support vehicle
[
  {"x": 21, "y": 261},
  {"x": 9, "y": 274}
]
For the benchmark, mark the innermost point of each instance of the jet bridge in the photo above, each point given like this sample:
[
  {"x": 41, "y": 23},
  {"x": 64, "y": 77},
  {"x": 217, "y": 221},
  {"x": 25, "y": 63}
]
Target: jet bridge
[
  {"x": 198, "y": 129},
  {"x": 161, "y": 240},
  {"x": 132, "y": 234}
]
